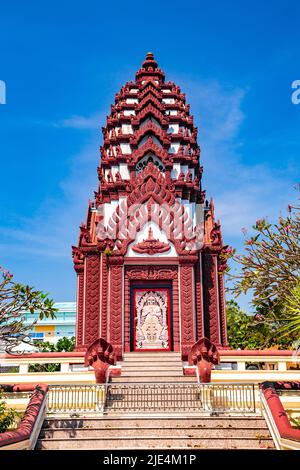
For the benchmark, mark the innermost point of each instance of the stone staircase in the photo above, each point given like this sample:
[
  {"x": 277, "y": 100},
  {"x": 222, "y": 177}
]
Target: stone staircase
[
  {"x": 132, "y": 429},
  {"x": 153, "y": 432},
  {"x": 152, "y": 367}
]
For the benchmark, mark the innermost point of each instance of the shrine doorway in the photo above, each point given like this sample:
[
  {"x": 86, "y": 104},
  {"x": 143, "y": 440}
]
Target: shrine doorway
[{"x": 151, "y": 317}]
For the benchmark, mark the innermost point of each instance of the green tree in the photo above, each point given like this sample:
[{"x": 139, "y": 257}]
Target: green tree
[
  {"x": 7, "y": 415},
  {"x": 15, "y": 299},
  {"x": 245, "y": 332},
  {"x": 270, "y": 269},
  {"x": 290, "y": 318},
  {"x": 63, "y": 345}
]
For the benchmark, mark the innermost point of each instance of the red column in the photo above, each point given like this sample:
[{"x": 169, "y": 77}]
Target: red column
[
  {"x": 199, "y": 302},
  {"x": 104, "y": 296},
  {"x": 92, "y": 298},
  {"x": 187, "y": 306},
  {"x": 222, "y": 304},
  {"x": 116, "y": 304},
  {"x": 176, "y": 318},
  {"x": 211, "y": 297},
  {"x": 127, "y": 314},
  {"x": 80, "y": 309}
]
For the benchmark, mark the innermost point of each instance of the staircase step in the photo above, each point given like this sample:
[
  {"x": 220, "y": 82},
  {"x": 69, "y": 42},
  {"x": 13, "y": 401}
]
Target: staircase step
[
  {"x": 151, "y": 356},
  {"x": 154, "y": 353},
  {"x": 153, "y": 379},
  {"x": 160, "y": 367},
  {"x": 173, "y": 422},
  {"x": 153, "y": 433},
  {"x": 124, "y": 442},
  {"x": 149, "y": 373}
]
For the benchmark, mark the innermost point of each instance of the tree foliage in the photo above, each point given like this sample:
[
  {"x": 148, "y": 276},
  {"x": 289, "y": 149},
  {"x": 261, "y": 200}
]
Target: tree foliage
[
  {"x": 245, "y": 332},
  {"x": 15, "y": 299},
  {"x": 8, "y": 415},
  {"x": 63, "y": 345},
  {"x": 270, "y": 269}
]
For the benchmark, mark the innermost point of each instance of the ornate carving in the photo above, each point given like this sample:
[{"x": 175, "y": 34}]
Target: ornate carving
[
  {"x": 215, "y": 235},
  {"x": 152, "y": 111},
  {"x": 99, "y": 355},
  {"x": 150, "y": 146},
  {"x": 151, "y": 128},
  {"x": 78, "y": 259},
  {"x": 151, "y": 197},
  {"x": 116, "y": 311},
  {"x": 80, "y": 313},
  {"x": 187, "y": 311},
  {"x": 92, "y": 310},
  {"x": 104, "y": 296},
  {"x": 204, "y": 354},
  {"x": 222, "y": 307},
  {"x": 151, "y": 272},
  {"x": 176, "y": 318},
  {"x": 210, "y": 297},
  {"x": 151, "y": 245},
  {"x": 199, "y": 304}
]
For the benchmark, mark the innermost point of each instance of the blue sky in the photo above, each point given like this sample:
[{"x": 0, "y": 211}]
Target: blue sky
[{"x": 63, "y": 61}]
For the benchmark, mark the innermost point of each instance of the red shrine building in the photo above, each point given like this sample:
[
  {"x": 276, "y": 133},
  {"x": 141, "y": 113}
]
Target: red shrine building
[{"x": 150, "y": 257}]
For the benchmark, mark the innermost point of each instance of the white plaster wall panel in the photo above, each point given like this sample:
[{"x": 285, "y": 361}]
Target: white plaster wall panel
[
  {"x": 109, "y": 208},
  {"x": 173, "y": 129},
  {"x": 113, "y": 170},
  {"x": 166, "y": 90},
  {"x": 174, "y": 147},
  {"x": 129, "y": 112},
  {"x": 193, "y": 212},
  {"x": 124, "y": 171},
  {"x": 175, "y": 170},
  {"x": 168, "y": 100},
  {"x": 125, "y": 147},
  {"x": 122, "y": 198},
  {"x": 132, "y": 100},
  {"x": 184, "y": 169},
  {"x": 189, "y": 208},
  {"x": 134, "y": 90},
  {"x": 199, "y": 212},
  {"x": 126, "y": 129}
]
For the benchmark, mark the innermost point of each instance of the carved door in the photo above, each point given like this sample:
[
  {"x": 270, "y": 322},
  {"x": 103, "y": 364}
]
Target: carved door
[{"x": 151, "y": 319}]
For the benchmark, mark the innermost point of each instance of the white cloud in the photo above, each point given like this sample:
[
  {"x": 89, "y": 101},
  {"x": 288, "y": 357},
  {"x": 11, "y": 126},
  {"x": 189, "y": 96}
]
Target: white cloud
[{"x": 82, "y": 122}]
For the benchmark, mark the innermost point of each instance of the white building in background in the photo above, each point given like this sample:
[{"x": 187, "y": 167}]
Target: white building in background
[{"x": 50, "y": 329}]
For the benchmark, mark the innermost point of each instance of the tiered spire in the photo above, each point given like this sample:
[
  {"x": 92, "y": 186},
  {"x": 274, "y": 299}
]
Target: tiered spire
[
  {"x": 150, "y": 183},
  {"x": 150, "y": 121}
]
